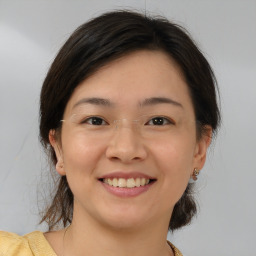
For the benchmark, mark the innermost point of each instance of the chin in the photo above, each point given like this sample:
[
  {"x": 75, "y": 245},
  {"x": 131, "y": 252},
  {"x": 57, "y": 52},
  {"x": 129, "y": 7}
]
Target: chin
[
  {"x": 126, "y": 219},
  {"x": 124, "y": 225}
]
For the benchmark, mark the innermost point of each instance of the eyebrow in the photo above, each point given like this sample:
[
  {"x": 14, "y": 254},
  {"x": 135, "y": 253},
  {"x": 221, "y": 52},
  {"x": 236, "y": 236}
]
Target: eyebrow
[
  {"x": 94, "y": 101},
  {"x": 146, "y": 102},
  {"x": 160, "y": 100}
]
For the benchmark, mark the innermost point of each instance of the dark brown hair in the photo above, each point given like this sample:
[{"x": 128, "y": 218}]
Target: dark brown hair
[{"x": 100, "y": 41}]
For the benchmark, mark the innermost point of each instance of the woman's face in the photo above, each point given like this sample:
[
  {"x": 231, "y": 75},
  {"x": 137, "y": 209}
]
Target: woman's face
[{"x": 128, "y": 141}]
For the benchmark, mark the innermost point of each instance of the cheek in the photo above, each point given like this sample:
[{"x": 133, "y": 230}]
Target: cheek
[
  {"x": 80, "y": 153},
  {"x": 174, "y": 160},
  {"x": 81, "y": 157},
  {"x": 175, "y": 153}
]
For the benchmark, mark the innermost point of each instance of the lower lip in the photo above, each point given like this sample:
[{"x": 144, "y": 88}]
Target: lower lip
[{"x": 127, "y": 192}]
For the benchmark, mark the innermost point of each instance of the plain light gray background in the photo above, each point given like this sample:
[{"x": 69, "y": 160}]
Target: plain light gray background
[{"x": 31, "y": 32}]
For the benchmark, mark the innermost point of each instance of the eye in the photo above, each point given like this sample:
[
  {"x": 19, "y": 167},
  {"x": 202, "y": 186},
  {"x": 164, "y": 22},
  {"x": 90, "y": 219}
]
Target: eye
[
  {"x": 159, "y": 120},
  {"x": 94, "y": 120}
]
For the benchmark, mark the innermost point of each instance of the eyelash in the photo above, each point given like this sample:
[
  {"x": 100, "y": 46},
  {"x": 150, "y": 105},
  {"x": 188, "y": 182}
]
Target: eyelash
[
  {"x": 89, "y": 120},
  {"x": 166, "y": 121}
]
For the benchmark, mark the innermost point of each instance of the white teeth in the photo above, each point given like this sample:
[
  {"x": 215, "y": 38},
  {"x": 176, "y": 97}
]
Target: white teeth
[
  {"x": 121, "y": 183},
  {"x": 110, "y": 182},
  {"x": 130, "y": 183},
  {"x": 126, "y": 183},
  {"x": 137, "y": 182},
  {"x": 114, "y": 184}
]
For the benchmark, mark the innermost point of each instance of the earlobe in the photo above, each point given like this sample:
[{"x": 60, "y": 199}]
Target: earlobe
[
  {"x": 57, "y": 149},
  {"x": 202, "y": 146},
  {"x": 60, "y": 168}
]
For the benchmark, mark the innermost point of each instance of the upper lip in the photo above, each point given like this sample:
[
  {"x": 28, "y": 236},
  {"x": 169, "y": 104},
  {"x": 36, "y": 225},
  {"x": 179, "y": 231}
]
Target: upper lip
[{"x": 126, "y": 175}]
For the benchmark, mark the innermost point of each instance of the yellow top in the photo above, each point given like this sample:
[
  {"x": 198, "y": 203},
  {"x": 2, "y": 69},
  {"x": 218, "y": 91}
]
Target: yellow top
[{"x": 33, "y": 244}]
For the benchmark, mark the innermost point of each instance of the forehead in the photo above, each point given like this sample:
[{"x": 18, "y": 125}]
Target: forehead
[{"x": 133, "y": 78}]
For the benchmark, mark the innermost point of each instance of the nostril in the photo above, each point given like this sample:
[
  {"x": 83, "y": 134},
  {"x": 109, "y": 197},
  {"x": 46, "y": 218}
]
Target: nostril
[{"x": 115, "y": 158}]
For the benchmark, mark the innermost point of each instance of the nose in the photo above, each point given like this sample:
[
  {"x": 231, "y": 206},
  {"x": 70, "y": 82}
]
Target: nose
[{"x": 126, "y": 146}]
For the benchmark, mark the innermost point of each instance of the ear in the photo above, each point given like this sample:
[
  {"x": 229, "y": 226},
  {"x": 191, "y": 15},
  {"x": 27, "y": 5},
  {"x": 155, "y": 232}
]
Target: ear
[
  {"x": 58, "y": 152},
  {"x": 201, "y": 147}
]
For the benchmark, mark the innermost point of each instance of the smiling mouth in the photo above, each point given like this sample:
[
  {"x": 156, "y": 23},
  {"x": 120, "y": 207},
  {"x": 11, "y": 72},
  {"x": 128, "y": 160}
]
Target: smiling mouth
[{"x": 127, "y": 183}]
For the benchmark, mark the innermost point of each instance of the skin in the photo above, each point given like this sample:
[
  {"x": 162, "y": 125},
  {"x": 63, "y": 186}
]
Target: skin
[{"x": 135, "y": 225}]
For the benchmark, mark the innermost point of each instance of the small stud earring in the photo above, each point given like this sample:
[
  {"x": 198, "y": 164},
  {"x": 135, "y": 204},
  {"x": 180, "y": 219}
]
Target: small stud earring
[{"x": 195, "y": 174}]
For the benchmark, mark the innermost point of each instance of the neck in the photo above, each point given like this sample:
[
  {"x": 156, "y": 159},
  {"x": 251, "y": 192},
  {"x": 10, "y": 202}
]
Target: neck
[{"x": 88, "y": 237}]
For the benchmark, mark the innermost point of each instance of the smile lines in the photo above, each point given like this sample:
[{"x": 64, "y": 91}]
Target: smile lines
[{"x": 126, "y": 183}]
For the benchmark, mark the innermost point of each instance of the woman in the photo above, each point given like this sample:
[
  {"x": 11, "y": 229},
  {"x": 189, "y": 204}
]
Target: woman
[{"x": 128, "y": 110}]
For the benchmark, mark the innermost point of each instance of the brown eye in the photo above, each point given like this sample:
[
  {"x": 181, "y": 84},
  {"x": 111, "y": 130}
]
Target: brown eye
[
  {"x": 94, "y": 120},
  {"x": 158, "y": 120}
]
